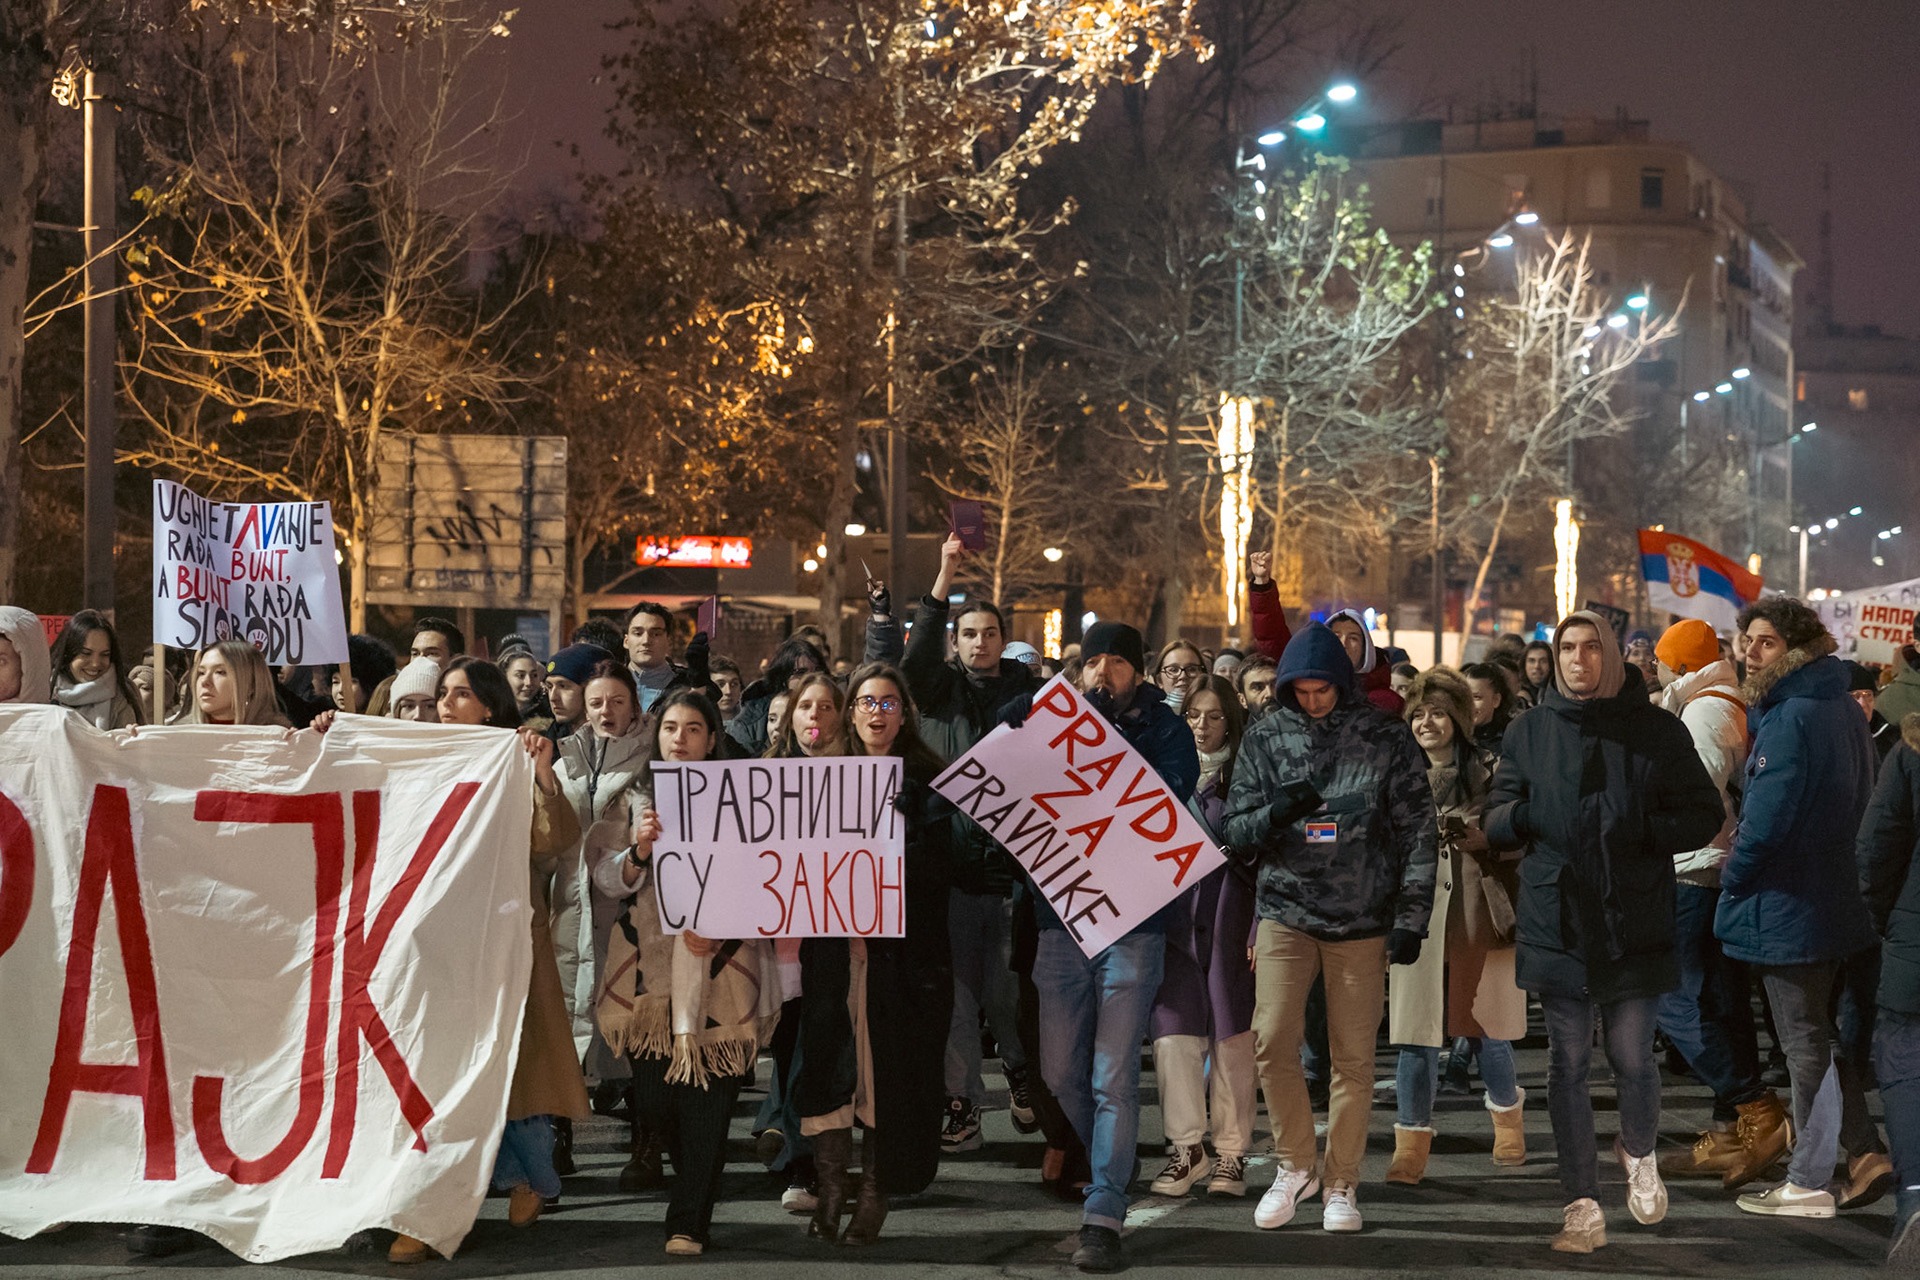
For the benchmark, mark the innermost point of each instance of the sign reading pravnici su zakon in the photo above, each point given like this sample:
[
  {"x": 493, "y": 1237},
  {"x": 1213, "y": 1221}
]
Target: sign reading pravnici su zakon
[
  {"x": 263, "y": 572},
  {"x": 1099, "y": 833},
  {"x": 780, "y": 848}
]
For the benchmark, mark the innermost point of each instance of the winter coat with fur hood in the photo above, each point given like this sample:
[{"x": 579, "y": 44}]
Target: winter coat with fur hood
[{"x": 1789, "y": 891}]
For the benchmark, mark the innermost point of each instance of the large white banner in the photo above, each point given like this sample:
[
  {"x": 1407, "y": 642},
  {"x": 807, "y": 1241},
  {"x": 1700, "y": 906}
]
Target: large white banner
[
  {"x": 781, "y": 848},
  {"x": 263, "y": 984},
  {"x": 1095, "y": 828},
  {"x": 1872, "y": 624},
  {"x": 263, "y": 572}
]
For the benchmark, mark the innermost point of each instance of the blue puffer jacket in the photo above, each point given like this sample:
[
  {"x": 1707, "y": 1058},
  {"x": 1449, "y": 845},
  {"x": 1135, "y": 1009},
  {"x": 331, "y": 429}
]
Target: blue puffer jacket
[{"x": 1790, "y": 892}]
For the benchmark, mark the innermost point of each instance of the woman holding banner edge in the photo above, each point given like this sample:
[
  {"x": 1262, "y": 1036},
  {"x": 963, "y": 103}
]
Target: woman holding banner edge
[
  {"x": 546, "y": 1074},
  {"x": 876, "y": 1010},
  {"x": 690, "y": 1014}
]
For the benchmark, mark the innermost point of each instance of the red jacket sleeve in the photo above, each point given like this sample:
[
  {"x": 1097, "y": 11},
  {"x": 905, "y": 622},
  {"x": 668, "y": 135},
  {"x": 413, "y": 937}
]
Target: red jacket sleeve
[{"x": 1268, "y": 619}]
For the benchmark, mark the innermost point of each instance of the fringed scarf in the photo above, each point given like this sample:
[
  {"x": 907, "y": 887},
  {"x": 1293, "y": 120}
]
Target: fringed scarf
[{"x": 708, "y": 1015}]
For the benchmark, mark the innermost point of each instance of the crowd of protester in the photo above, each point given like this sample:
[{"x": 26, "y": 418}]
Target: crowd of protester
[{"x": 1679, "y": 840}]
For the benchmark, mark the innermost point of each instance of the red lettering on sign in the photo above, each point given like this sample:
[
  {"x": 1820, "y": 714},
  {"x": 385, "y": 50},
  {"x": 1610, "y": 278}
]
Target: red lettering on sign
[
  {"x": 16, "y": 873},
  {"x": 1080, "y": 788},
  {"x": 359, "y": 1018},
  {"x": 107, "y": 866},
  {"x": 1057, "y": 700},
  {"x": 1093, "y": 831},
  {"x": 1087, "y": 730},
  {"x": 1182, "y": 858},
  {"x": 322, "y": 813}
]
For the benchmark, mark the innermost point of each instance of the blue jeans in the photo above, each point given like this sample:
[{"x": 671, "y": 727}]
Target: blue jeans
[
  {"x": 1093, "y": 1020},
  {"x": 1709, "y": 1017},
  {"x": 526, "y": 1157},
  {"x": 1417, "y": 1079},
  {"x": 1896, "y": 1063},
  {"x": 980, "y": 929},
  {"x": 1802, "y": 998},
  {"x": 1628, "y": 1029}
]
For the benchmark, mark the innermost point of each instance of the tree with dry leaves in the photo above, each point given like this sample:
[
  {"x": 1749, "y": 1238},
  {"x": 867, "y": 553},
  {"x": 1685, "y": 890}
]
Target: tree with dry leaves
[
  {"x": 863, "y": 165},
  {"x": 307, "y": 295}
]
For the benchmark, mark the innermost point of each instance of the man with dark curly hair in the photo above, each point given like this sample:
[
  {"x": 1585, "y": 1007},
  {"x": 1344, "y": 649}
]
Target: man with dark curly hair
[{"x": 1790, "y": 903}]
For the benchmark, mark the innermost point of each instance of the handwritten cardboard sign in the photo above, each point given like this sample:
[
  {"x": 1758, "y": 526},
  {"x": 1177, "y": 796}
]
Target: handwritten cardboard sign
[
  {"x": 263, "y": 572},
  {"x": 781, "y": 848},
  {"x": 1101, "y": 836},
  {"x": 1872, "y": 624}
]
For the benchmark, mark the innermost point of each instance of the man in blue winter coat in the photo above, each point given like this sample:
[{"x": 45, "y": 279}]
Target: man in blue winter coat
[{"x": 1790, "y": 903}]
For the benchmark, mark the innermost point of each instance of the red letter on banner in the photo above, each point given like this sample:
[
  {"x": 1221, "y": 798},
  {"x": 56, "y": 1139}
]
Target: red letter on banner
[
  {"x": 108, "y": 865},
  {"x": 16, "y": 873},
  {"x": 324, "y": 814},
  {"x": 358, "y": 1017}
]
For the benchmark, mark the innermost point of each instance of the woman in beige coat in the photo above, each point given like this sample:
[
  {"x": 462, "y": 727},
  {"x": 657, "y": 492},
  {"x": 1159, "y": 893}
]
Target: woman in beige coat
[
  {"x": 546, "y": 1076},
  {"x": 1464, "y": 986}
]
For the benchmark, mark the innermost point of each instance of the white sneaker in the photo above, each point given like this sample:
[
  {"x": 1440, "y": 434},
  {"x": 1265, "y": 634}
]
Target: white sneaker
[
  {"x": 1290, "y": 1187},
  {"x": 1342, "y": 1211},
  {"x": 799, "y": 1199},
  {"x": 1789, "y": 1201},
  {"x": 1583, "y": 1228},
  {"x": 1646, "y": 1194}
]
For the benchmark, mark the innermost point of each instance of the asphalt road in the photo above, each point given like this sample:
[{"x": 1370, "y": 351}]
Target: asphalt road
[{"x": 987, "y": 1216}]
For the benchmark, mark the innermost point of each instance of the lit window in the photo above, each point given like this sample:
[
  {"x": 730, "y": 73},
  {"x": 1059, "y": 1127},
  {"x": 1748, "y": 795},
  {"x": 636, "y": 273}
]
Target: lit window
[
  {"x": 1857, "y": 399},
  {"x": 1800, "y": 387}
]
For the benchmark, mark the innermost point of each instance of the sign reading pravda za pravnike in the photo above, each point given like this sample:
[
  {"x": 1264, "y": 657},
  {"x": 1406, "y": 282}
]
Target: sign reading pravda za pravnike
[{"x": 1100, "y": 834}]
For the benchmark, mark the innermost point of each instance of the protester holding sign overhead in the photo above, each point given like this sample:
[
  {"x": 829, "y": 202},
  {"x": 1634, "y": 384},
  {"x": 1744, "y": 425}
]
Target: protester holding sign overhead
[
  {"x": 1094, "y": 1008},
  {"x": 874, "y": 1017},
  {"x": 1330, "y": 800}
]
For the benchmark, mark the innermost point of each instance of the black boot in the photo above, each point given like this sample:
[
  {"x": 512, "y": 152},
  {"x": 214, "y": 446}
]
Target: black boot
[
  {"x": 870, "y": 1211},
  {"x": 643, "y": 1171},
  {"x": 832, "y": 1153},
  {"x": 563, "y": 1146}
]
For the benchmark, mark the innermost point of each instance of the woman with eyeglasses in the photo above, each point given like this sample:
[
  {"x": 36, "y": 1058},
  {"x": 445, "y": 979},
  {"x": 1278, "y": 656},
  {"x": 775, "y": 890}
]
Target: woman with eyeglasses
[
  {"x": 691, "y": 1014},
  {"x": 1202, "y": 1023},
  {"x": 1180, "y": 671},
  {"x": 874, "y": 1018}
]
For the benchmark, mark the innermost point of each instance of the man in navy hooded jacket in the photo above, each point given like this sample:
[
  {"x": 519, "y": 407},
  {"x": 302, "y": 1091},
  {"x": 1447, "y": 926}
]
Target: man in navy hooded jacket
[
  {"x": 1330, "y": 801},
  {"x": 1790, "y": 903}
]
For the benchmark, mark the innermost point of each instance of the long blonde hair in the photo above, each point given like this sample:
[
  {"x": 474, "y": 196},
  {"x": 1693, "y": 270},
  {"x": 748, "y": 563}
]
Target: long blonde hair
[{"x": 253, "y": 687}]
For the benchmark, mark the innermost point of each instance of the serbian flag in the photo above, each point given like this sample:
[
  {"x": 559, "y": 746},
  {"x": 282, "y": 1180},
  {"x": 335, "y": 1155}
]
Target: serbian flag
[{"x": 1693, "y": 580}]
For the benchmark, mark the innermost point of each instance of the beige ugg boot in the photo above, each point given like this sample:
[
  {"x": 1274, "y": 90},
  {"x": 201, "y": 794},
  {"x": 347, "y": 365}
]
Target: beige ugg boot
[
  {"x": 1411, "y": 1148},
  {"x": 1509, "y": 1131}
]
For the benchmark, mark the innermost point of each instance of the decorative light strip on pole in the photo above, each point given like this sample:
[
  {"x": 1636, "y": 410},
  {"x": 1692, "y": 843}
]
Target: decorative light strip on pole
[
  {"x": 1566, "y": 565},
  {"x": 1236, "y": 497}
]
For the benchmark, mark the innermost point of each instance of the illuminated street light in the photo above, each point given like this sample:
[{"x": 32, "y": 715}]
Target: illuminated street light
[
  {"x": 809, "y": 564},
  {"x": 1810, "y": 427},
  {"x": 1616, "y": 322},
  {"x": 1638, "y": 302},
  {"x": 1342, "y": 93},
  {"x": 1725, "y": 389},
  {"x": 1272, "y": 138},
  {"x": 1701, "y": 397},
  {"x": 1833, "y": 522},
  {"x": 856, "y": 530},
  {"x": 1853, "y": 511},
  {"x": 1526, "y": 218},
  {"x": 1312, "y": 122},
  {"x": 1743, "y": 372},
  {"x": 1501, "y": 241},
  {"x": 1054, "y": 555}
]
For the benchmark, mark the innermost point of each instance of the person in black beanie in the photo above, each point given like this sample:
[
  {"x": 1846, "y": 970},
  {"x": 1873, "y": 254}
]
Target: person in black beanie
[
  {"x": 566, "y": 686},
  {"x": 1094, "y": 1010}
]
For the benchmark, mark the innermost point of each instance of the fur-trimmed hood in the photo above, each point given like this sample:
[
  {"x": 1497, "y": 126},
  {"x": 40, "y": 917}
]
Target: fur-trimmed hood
[{"x": 1762, "y": 683}]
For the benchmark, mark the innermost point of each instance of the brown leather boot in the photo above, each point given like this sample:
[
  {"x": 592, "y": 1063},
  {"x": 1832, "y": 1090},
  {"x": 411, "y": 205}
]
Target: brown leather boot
[
  {"x": 1410, "y": 1150},
  {"x": 870, "y": 1211},
  {"x": 1763, "y": 1130},
  {"x": 832, "y": 1153},
  {"x": 1711, "y": 1155}
]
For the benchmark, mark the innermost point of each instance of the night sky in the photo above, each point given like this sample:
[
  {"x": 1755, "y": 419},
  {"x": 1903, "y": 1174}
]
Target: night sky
[{"x": 1764, "y": 91}]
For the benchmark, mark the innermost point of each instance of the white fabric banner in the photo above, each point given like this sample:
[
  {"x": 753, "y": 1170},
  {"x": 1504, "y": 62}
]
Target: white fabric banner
[
  {"x": 1872, "y": 624},
  {"x": 780, "y": 848},
  {"x": 1094, "y": 827},
  {"x": 263, "y": 572},
  {"x": 263, "y": 984}
]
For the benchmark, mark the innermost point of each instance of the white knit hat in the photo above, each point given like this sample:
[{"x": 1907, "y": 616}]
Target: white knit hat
[{"x": 421, "y": 676}]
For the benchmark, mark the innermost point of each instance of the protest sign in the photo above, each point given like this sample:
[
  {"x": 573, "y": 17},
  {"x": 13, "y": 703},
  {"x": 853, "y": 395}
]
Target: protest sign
[
  {"x": 1873, "y": 623},
  {"x": 1095, "y": 828},
  {"x": 780, "y": 848},
  {"x": 263, "y": 985},
  {"x": 263, "y": 572}
]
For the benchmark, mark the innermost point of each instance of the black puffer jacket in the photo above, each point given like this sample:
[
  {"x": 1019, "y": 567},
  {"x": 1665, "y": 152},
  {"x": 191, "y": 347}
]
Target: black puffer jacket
[
  {"x": 1601, "y": 794},
  {"x": 1888, "y": 849},
  {"x": 957, "y": 708}
]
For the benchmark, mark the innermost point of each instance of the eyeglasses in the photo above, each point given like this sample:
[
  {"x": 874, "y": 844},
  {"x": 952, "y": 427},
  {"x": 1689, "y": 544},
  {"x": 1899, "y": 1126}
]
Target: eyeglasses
[
  {"x": 1206, "y": 717},
  {"x": 1180, "y": 673},
  {"x": 871, "y": 704}
]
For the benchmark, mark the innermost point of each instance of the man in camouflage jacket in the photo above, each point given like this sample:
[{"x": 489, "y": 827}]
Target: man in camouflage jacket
[{"x": 1330, "y": 802}]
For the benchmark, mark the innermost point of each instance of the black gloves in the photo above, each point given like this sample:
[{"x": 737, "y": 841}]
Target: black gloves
[
  {"x": 1297, "y": 799},
  {"x": 698, "y": 650},
  {"x": 1403, "y": 946},
  {"x": 879, "y": 599}
]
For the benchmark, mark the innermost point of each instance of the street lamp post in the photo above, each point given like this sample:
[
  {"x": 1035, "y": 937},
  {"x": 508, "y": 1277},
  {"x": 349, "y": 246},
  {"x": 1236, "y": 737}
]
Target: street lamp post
[{"x": 101, "y": 425}]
